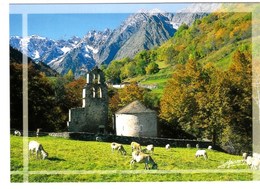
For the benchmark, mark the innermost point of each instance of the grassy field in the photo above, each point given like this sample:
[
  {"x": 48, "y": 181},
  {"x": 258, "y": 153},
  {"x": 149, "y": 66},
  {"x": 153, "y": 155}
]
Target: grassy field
[{"x": 89, "y": 161}]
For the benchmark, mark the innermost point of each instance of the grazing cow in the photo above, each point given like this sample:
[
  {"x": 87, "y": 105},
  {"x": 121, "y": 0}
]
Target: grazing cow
[
  {"x": 255, "y": 164},
  {"x": 141, "y": 157},
  {"x": 118, "y": 147},
  {"x": 209, "y": 147},
  {"x": 99, "y": 139},
  {"x": 188, "y": 146},
  {"x": 38, "y": 132},
  {"x": 135, "y": 146},
  {"x": 249, "y": 160},
  {"x": 38, "y": 148},
  {"x": 244, "y": 155},
  {"x": 197, "y": 146},
  {"x": 17, "y": 133},
  {"x": 256, "y": 155},
  {"x": 201, "y": 153},
  {"x": 167, "y": 146},
  {"x": 149, "y": 148}
]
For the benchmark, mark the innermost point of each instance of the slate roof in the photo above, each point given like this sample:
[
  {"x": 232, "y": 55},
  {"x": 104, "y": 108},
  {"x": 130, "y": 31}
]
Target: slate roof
[{"x": 133, "y": 108}]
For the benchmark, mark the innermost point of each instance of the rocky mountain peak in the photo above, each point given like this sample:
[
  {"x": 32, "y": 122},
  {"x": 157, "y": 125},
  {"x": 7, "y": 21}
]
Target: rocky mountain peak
[{"x": 142, "y": 30}]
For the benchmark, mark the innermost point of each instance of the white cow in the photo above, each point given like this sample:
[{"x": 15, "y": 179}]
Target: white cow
[
  {"x": 167, "y": 146},
  {"x": 244, "y": 156},
  {"x": 201, "y": 153},
  {"x": 17, "y": 133},
  {"x": 255, "y": 164},
  {"x": 135, "y": 146},
  {"x": 249, "y": 160},
  {"x": 118, "y": 147},
  {"x": 140, "y": 157},
  {"x": 99, "y": 139},
  {"x": 149, "y": 148},
  {"x": 256, "y": 155},
  {"x": 38, "y": 148}
]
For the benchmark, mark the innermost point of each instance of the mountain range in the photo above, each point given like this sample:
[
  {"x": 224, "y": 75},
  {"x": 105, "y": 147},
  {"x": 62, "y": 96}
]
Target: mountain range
[
  {"x": 140, "y": 31},
  {"x": 16, "y": 57}
]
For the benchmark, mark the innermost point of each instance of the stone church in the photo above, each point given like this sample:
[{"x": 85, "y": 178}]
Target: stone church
[
  {"x": 136, "y": 120},
  {"x": 93, "y": 115}
]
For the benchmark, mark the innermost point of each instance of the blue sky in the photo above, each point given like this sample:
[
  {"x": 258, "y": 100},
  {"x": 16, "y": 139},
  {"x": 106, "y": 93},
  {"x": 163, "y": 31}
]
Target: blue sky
[
  {"x": 63, "y": 26},
  {"x": 62, "y": 21}
]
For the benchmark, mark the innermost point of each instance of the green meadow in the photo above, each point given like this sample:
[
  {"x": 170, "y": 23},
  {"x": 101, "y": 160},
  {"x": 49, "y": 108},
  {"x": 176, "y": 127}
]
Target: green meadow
[{"x": 90, "y": 161}]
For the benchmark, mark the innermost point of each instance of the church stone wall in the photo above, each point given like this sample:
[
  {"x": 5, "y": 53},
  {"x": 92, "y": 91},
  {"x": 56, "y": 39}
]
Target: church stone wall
[
  {"x": 77, "y": 120},
  {"x": 97, "y": 115},
  {"x": 94, "y": 111},
  {"x": 141, "y": 124},
  {"x": 161, "y": 142}
]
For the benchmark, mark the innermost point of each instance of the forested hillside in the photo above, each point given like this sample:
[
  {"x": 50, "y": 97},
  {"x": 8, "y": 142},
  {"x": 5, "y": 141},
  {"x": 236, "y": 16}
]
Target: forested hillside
[
  {"x": 210, "y": 92},
  {"x": 204, "y": 72},
  {"x": 213, "y": 38}
]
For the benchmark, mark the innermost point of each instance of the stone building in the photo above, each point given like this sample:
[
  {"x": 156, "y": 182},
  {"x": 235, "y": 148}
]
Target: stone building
[
  {"x": 136, "y": 120},
  {"x": 93, "y": 115}
]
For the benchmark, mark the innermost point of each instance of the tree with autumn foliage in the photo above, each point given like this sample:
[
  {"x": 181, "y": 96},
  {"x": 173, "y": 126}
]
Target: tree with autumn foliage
[
  {"x": 179, "y": 101},
  {"x": 68, "y": 94},
  {"x": 211, "y": 103},
  {"x": 119, "y": 98},
  {"x": 73, "y": 92},
  {"x": 42, "y": 109},
  {"x": 239, "y": 79},
  {"x": 213, "y": 113},
  {"x": 131, "y": 93}
]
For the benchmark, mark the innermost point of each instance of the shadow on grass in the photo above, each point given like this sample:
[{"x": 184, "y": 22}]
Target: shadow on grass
[{"x": 56, "y": 159}]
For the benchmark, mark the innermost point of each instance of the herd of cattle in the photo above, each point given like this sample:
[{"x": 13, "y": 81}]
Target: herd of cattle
[{"x": 140, "y": 155}]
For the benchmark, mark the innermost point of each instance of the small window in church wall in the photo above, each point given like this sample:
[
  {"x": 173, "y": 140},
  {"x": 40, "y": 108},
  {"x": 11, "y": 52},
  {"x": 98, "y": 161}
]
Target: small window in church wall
[
  {"x": 93, "y": 78},
  {"x": 87, "y": 78},
  {"x": 98, "y": 78},
  {"x": 99, "y": 93},
  {"x": 84, "y": 93},
  {"x": 93, "y": 92}
]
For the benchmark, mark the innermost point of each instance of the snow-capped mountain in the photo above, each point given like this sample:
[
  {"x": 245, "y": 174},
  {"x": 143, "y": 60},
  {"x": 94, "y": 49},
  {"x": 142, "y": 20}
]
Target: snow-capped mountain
[
  {"x": 143, "y": 30},
  {"x": 41, "y": 48},
  {"x": 62, "y": 55},
  {"x": 140, "y": 31},
  {"x": 193, "y": 12},
  {"x": 80, "y": 59}
]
